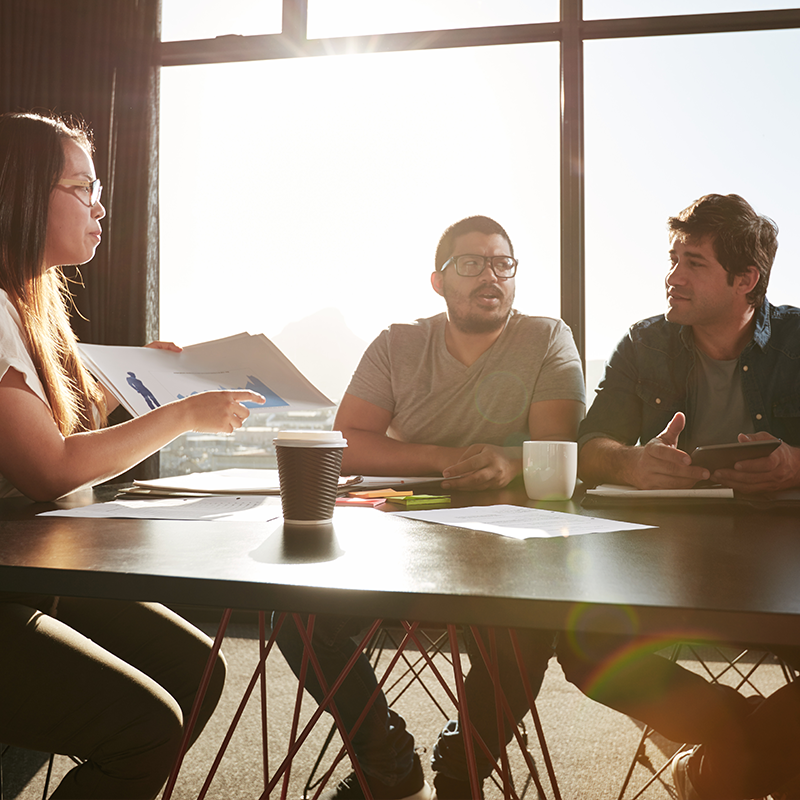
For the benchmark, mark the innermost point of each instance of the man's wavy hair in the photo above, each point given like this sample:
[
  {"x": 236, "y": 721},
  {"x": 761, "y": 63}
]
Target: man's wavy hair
[
  {"x": 485, "y": 225},
  {"x": 31, "y": 163},
  {"x": 740, "y": 237}
]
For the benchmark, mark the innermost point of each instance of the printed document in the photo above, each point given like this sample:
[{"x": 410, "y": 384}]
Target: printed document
[{"x": 143, "y": 378}]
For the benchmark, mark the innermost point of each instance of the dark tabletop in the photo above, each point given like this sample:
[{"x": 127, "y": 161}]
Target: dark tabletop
[{"x": 707, "y": 571}]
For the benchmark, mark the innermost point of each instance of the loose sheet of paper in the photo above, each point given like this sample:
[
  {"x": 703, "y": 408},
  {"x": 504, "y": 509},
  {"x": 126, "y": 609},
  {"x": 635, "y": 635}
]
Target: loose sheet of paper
[
  {"x": 232, "y": 508},
  {"x": 520, "y": 523}
]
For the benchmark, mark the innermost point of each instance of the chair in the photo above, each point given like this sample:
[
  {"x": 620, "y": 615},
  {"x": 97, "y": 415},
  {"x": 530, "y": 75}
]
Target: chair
[
  {"x": 4, "y": 748},
  {"x": 738, "y": 669}
]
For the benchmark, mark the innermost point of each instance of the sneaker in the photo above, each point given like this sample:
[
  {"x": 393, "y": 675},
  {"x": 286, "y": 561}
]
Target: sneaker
[
  {"x": 412, "y": 787},
  {"x": 680, "y": 775},
  {"x": 453, "y": 789}
]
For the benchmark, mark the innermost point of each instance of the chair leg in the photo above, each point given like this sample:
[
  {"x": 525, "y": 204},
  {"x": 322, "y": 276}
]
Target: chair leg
[
  {"x": 48, "y": 776},
  {"x": 4, "y": 749}
]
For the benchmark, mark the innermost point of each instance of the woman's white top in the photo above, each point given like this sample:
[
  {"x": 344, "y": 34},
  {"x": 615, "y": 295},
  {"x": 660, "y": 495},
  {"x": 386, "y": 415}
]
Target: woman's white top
[{"x": 14, "y": 353}]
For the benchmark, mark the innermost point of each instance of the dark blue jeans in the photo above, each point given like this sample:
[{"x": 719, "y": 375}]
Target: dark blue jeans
[{"x": 383, "y": 745}]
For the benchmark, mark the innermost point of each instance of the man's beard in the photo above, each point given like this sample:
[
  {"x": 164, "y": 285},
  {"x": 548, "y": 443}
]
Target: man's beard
[{"x": 469, "y": 322}]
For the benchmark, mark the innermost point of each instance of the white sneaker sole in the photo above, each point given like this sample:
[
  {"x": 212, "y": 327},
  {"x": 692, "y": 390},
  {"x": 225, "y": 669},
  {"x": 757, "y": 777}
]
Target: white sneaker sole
[{"x": 425, "y": 793}]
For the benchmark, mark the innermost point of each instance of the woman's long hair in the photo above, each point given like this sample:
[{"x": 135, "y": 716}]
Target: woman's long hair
[{"x": 31, "y": 164}]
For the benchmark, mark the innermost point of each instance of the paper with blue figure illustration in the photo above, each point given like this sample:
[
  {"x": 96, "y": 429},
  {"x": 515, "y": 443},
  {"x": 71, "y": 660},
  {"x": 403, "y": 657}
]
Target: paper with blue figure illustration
[
  {"x": 143, "y": 378},
  {"x": 255, "y": 385}
]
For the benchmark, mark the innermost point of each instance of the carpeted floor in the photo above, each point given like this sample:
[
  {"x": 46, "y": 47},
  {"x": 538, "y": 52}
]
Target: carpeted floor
[{"x": 591, "y": 746}]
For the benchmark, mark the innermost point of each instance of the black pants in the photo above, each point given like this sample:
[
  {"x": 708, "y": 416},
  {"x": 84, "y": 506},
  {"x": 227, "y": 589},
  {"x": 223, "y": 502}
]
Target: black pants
[
  {"x": 110, "y": 682},
  {"x": 746, "y": 751}
]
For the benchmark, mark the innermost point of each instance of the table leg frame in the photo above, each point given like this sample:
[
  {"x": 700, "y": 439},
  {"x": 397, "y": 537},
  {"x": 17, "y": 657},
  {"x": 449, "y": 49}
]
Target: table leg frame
[{"x": 297, "y": 737}]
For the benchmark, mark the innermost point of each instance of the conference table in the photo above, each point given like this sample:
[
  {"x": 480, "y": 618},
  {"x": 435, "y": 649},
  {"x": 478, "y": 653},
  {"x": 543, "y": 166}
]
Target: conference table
[{"x": 716, "y": 570}]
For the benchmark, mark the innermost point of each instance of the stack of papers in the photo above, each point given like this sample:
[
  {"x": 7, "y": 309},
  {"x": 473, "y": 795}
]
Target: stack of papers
[
  {"x": 143, "y": 378},
  {"x": 249, "y": 481},
  {"x": 220, "y": 482}
]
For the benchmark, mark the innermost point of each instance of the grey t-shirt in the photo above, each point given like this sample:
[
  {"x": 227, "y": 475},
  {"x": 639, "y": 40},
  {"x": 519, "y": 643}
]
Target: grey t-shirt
[
  {"x": 716, "y": 402},
  {"x": 435, "y": 399}
]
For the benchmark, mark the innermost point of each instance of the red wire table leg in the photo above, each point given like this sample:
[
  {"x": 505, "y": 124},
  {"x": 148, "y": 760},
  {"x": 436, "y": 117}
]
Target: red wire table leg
[
  {"x": 535, "y": 714},
  {"x": 471, "y": 736},
  {"x": 198, "y": 702},
  {"x": 472, "y": 768},
  {"x": 262, "y": 627}
]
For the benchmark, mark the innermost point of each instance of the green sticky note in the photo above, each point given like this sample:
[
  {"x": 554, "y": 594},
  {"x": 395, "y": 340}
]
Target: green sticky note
[{"x": 416, "y": 500}]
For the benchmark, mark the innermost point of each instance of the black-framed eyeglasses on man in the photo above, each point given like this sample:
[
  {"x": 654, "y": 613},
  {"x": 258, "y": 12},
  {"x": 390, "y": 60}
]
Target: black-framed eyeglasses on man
[
  {"x": 92, "y": 189},
  {"x": 470, "y": 266}
]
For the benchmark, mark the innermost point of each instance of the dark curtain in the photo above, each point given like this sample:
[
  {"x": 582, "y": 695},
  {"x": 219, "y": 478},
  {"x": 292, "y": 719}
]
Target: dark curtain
[{"x": 96, "y": 59}]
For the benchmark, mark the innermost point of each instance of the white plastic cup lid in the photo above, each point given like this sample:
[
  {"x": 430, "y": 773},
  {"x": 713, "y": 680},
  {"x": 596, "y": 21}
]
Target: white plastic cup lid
[{"x": 310, "y": 439}]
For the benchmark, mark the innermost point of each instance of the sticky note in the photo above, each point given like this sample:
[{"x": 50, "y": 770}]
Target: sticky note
[
  {"x": 380, "y": 493},
  {"x": 417, "y": 500}
]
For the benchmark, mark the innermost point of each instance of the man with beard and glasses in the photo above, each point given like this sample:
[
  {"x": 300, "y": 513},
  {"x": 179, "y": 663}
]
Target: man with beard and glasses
[
  {"x": 452, "y": 396},
  {"x": 455, "y": 395}
]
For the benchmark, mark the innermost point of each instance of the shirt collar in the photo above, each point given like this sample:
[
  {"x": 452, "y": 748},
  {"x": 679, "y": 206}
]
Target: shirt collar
[
  {"x": 763, "y": 325},
  {"x": 761, "y": 334}
]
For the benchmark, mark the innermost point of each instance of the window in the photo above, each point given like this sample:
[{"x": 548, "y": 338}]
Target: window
[
  {"x": 201, "y": 19},
  {"x": 303, "y": 197},
  {"x": 606, "y": 9},
  {"x": 308, "y": 205},
  {"x": 364, "y": 17},
  {"x": 693, "y": 117}
]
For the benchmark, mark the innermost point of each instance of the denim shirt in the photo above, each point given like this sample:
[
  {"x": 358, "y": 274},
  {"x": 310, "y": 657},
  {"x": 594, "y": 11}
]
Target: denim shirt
[{"x": 648, "y": 379}]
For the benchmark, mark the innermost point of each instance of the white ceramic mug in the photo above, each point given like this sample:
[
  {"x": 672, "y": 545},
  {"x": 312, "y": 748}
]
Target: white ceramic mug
[{"x": 550, "y": 469}]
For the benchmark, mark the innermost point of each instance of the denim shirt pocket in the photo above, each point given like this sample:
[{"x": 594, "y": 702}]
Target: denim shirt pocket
[
  {"x": 786, "y": 419},
  {"x": 659, "y": 404}
]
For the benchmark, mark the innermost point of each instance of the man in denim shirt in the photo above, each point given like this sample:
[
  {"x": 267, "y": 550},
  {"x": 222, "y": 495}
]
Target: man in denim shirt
[
  {"x": 720, "y": 364},
  {"x": 720, "y": 349}
]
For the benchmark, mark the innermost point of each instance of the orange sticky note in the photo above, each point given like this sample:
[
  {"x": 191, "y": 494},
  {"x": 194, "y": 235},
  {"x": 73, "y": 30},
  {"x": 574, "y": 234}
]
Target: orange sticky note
[{"x": 379, "y": 493}]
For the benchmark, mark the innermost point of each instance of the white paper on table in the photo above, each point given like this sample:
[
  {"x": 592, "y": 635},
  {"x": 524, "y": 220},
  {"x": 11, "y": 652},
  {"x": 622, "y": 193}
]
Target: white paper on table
[
  {"x": 519, "y": 522},
  {"x": 232, "y": 508}
]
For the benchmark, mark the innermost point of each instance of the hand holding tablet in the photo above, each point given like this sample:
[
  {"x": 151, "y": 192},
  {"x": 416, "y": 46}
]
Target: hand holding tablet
[{"x": 724, "y": 456}]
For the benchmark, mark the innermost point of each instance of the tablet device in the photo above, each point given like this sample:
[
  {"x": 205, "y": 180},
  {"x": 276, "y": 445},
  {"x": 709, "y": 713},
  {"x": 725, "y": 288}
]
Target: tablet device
[{"x": 724, "y": 456}]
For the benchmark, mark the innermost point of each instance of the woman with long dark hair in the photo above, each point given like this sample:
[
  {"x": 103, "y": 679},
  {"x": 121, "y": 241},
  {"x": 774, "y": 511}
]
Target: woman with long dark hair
[{"x": 109, "y": 682}]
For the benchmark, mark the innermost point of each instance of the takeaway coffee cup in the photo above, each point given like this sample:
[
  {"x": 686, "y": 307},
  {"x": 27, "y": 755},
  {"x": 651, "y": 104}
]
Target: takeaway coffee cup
[
  {"x": 309, "y": 463},
  {"x": 550, "y": 469}
]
